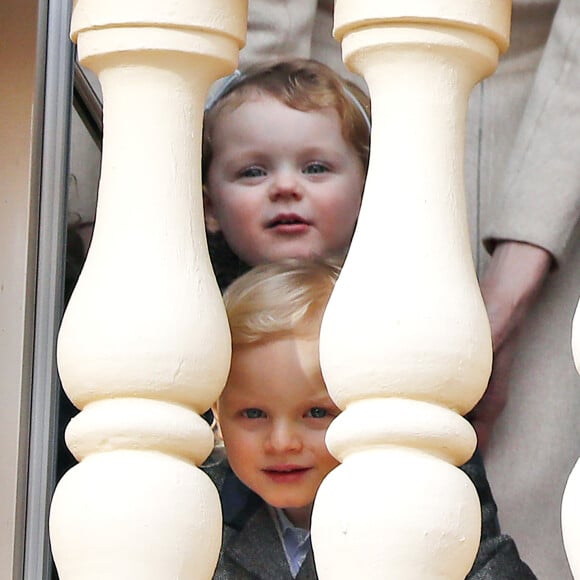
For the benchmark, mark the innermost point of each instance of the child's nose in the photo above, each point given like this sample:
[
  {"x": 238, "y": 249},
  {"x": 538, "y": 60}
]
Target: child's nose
[
  {"x": 286, "y": 184},
  {"x": 285, "y": 437}
]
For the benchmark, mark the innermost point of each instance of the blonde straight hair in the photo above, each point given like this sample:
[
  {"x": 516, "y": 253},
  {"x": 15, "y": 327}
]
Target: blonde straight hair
[{"x": 280, "y": 299}]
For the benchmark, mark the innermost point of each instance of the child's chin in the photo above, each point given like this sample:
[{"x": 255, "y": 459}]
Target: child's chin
[
  {"x": 288, "y": 253},
  {"x": 290, "y": 504}
]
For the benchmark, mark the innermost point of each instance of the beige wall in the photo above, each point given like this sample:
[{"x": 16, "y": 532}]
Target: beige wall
[{"x": 18, "y": 218}]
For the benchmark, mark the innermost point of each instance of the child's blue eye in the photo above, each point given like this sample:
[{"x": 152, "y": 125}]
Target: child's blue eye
[
  {"x": 317, "y": 413},
  {"x": 252, "y": 172},
  {"x": 315, "y": 168},
  {"x": 253, "y": 413}
]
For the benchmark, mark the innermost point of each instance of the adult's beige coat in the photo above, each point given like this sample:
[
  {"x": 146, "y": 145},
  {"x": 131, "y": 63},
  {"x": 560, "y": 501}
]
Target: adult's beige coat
[{"x": 523, "y": 183}]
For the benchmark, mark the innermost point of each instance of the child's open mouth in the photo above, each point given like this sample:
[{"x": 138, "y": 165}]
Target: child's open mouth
[
  {"x": 288, "y": 223},
  {"x": 286, "y": 474}
]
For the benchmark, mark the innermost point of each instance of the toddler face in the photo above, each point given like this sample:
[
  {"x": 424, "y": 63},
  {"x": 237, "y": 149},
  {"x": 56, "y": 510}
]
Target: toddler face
[
  {"x": 273, "y": 415},
  {"x": 282, "y": 183}
]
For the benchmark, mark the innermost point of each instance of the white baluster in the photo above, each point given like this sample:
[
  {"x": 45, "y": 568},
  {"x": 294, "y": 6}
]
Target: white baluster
[
  {"x": 144, "y": 345},
  {"x": 571, "y": 498},
  {"x": 405, "y": 343}
]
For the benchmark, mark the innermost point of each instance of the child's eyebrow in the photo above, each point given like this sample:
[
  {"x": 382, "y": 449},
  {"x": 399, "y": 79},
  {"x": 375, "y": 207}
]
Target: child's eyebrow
[
  {"x": 244, "y": 156},
  {"x": 249, "y": 399},
  {"x": 320, "y": 400}
]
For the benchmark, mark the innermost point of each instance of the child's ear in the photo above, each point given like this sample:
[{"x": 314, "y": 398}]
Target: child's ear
[{"x": 211, "y": 223}]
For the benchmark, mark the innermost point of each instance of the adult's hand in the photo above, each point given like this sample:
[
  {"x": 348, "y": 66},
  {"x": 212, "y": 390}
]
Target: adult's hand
[{"x": 509, "y": 288}]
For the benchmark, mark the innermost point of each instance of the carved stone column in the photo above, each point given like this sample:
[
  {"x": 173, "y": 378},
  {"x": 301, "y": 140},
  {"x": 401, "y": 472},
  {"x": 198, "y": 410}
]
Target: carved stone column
[
  {"x": 571, "y": 498},
  {"x": 405, "y": 343},
  {"x": 144, "y": 345}
]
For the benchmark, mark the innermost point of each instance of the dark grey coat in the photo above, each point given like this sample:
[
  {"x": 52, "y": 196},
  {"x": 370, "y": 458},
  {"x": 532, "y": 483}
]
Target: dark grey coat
[{"x": 251, "y": 548}]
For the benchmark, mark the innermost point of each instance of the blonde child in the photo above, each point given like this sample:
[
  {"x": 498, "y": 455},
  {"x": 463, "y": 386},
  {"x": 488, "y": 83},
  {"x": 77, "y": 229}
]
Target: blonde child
[{"x": 273, "y": 415}]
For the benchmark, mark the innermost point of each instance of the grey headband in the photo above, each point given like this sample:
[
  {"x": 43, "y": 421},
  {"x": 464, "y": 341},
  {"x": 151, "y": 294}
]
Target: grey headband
[{"x": 224, "y": 86}]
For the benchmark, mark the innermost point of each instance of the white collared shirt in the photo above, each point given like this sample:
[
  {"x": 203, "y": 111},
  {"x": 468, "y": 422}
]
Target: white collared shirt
[{"x": 294, "y": 540}]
